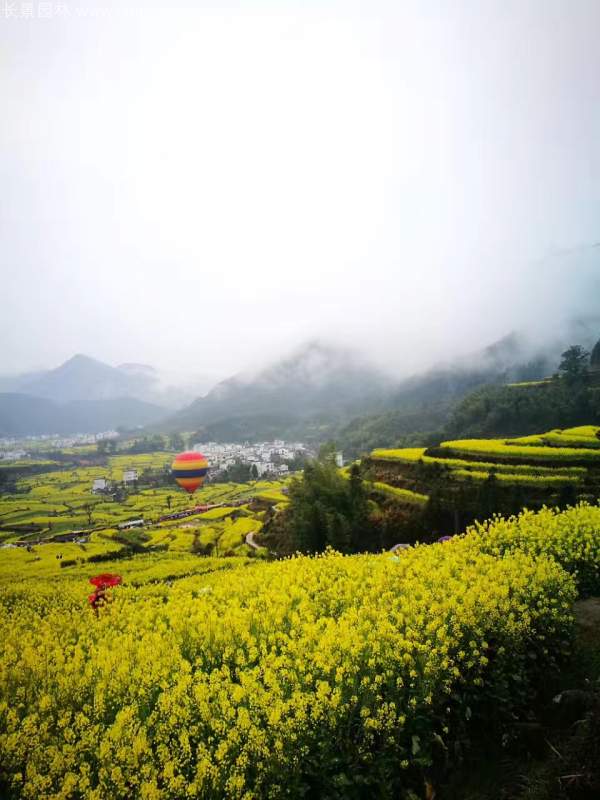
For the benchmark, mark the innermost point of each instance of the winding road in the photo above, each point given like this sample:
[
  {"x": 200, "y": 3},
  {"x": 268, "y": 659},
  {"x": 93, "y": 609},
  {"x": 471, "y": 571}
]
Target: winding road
[{"x": 250, "y": 540}]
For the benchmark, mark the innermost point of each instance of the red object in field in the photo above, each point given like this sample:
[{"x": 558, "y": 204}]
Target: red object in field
[
  {"x": 105, "y": 580},
  {"x": 102, "y": 583}
]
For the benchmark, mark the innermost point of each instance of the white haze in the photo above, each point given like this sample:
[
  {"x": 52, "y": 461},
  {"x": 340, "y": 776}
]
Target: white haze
[{"x": 202, "y": 188}]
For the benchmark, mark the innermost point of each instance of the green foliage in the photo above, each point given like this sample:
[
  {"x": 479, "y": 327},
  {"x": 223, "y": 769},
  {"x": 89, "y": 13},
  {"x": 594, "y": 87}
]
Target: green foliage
[
  {"x": 327, "y": 509},
  {"x": 239, "y": 472},
  {"x": 574, "y": 364},
  {"x": 526, "y": 407},
  {"x": 595, "y": 356},
  {"x": 176, "y": 442},
  {"x": 147, "y": 444},
  {"x": 106, "y": 446}
]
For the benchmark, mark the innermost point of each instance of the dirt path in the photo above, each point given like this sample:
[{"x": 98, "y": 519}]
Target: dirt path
[{"x": 250, "y": 540}]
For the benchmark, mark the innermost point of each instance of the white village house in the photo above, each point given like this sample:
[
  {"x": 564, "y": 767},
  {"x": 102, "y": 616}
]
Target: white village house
[
  {"x": 99, "y": 485},
  {"x": 130, "y": 476}
]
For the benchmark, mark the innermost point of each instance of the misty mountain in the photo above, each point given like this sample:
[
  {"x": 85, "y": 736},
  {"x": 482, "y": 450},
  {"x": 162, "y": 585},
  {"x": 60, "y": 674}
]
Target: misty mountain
[
  {"x": 321, "y": 392},
  {"x": 14, "y": 383},
  {"x": 25, "y": 415},
  {"x": 421, "y": 406},
  {"x": 144, "y": 370},
  {"x": 85, "y": 378},
  {"x": 315, "y": 381},
  {"x": 318, "y": 392}
]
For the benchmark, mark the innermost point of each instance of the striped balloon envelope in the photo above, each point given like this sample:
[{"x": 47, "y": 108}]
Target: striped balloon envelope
[{"x": 189, "y": 470}]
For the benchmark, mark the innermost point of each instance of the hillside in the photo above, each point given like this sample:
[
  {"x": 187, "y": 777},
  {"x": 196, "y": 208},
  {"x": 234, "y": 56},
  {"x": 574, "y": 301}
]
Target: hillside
[
  {"x": 421, "y": 405},
  {"x": 524, "y": 408},
  {"x": 84, "y": 378},
  {"x": 24, "y": 415},
  {"x": 472, "y": 479},
  {"x": 44, "y": 504},
  {"x": 497, "y": 395},
  {"x": 414, "y": 643},
  {"x": 317, "y": 381},
  {"x": 322, "y": 392}
]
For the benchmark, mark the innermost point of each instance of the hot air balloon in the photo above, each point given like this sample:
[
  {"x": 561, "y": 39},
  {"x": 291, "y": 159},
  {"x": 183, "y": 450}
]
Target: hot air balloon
[{"x": 189, "y": 470}]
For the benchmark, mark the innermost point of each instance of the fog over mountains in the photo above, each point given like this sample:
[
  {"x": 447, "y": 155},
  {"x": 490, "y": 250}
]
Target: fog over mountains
[
  {"x": 82, "y": 395},
  {"x": 85, "y": 378},
  {"x": 314, "y": 392},
  {"x": 315, "y": 379}
]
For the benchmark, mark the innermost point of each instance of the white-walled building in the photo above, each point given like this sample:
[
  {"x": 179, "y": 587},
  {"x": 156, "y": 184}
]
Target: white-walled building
[
  {"x": 13, "y": 455},
  {"x": 265, "y": 467},
  {"x": 266, "y": 456}
]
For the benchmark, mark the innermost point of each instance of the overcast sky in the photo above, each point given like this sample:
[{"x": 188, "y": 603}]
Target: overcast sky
[{"x": 203, "y": 188}]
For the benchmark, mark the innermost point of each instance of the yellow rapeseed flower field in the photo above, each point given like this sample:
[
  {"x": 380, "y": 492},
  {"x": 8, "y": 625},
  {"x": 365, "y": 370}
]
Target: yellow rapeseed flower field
[{"x": 216, "y": 678}]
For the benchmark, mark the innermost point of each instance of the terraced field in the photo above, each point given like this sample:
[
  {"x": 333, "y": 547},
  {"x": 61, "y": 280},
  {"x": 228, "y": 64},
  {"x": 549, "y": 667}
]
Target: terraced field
[
  {"x": 54, "y": 517},
  {"x": 479, "y": 476}
]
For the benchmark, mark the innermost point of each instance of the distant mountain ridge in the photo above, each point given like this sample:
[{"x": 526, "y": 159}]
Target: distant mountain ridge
[
  {"x": 83, "y": 395},
  {"x": 322, "y": 392},
  {"x": 85, "y": 378},
  {"x": 316, "y": 380},
  {"x": 25, "y": 415},
  {"x": 317, "y": 392}
]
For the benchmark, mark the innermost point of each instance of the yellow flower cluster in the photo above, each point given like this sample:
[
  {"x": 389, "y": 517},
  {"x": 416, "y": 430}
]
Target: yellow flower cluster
[
  {"x": 274, "y": 680},
  {"x": 416, "y": 455},
  {"x": 557, "y": 479},
  {"x": 571, "y": 537},
  {"x": 498, "y": 448},
  {"x": 583, "y": 436}
]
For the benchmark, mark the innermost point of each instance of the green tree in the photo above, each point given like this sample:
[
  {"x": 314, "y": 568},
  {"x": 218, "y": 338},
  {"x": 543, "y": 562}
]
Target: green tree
[
  {"x": 147, "y": 444},
  {"x": 106, "y": 446},
  {"x": 327, "y": 452},
  {"x": 328, "y": 510},
  {"x": 254, "y": 472},
  {"x": 176, "y": 442},
  {"x": 239, "y": 472},
  {"x": 489, "y": 497},
  {"x": 574, "y": 363},
  {"x": 89, "y": 509},
  {"x": 359, "y": 513},
  {"x": 595, "y": 356}
]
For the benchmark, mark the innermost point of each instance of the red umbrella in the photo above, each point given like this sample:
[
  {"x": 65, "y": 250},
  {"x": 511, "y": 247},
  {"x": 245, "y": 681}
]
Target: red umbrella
[{"x": 105, "y": 580}]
